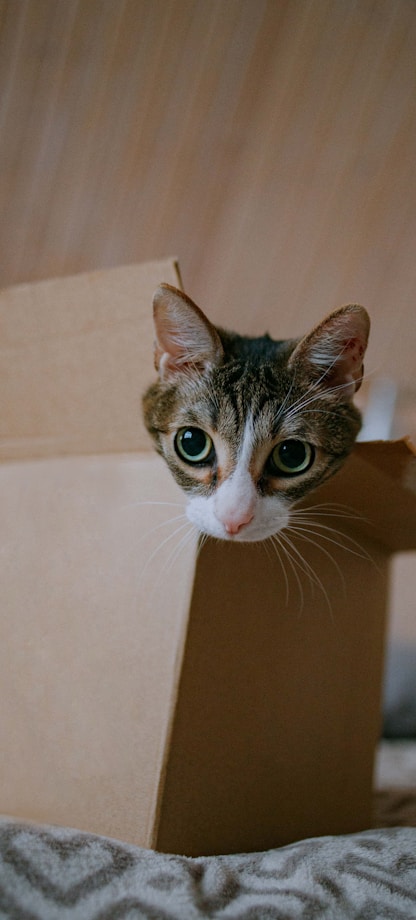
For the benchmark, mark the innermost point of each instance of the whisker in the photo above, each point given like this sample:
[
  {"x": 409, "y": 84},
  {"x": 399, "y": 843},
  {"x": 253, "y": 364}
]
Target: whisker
[
  {"x": 275, "y": 544},
  {"x": 309, "y": 571},
  {"x": 300, "y": 405},
  {"x": 325, "y": 412},
  {"x": 161, "y": 524},
  {"x": 160, "y": 546},
  {"x": 301, "y": 533},
  {"x": 315, "y": 385},
  {"x": 203, "y": 538},
  {"x": 279, "y": 538},
  {"x": 318, "y": 393},
  {"x": 180, "y": 546},
  {"x": 330, "y": 509},
  {"x": 358, "y": 550},
  {"x": 282, "y": 407}
]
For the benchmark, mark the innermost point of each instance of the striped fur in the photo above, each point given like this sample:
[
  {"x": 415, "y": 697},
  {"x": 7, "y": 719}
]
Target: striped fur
[{"x": 250, "y": 396}]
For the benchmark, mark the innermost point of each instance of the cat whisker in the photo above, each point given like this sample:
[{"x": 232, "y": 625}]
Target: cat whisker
[
  {"x": 166, "y": 523},
  {"x": 160, "y": 546},
  {"x": 318, "y": 393},
  {"x": 313, "y": 387},
  {"x": 307, "y": 569},
  {"x": 275, "y": 544},
  {"x": 180, "y": 546},
  {"x": 322, "y": 531},
  {"x": 281, "y": 540},
  {"x": 203, "y": 538},
  {"x": 325, "y": 412},
  {"x": 307, "y": 535},
  {"x": 282, "y": 407},
  {"x": 302, "y": 403},
  {"x": 265, "y": 545},
  {"x": 355, "y": 550},
  {"x": 330, "y": 509}
]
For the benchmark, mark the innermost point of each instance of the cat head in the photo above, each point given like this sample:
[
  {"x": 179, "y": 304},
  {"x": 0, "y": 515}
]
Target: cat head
[{"x": 249, "y": 426}]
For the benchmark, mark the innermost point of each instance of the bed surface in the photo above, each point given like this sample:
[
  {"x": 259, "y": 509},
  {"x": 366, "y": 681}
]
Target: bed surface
[{"x": 48, "y": 873}]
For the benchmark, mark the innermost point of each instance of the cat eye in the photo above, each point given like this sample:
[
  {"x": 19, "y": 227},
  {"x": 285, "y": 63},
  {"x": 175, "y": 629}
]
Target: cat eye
[
  {"x": 194, "y": 445},
  {"x": 290, "y": 458}
]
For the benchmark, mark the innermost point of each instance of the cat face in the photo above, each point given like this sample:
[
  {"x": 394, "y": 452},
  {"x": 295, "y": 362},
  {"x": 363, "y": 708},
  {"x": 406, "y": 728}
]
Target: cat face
[{"x": 249, "y": 426}]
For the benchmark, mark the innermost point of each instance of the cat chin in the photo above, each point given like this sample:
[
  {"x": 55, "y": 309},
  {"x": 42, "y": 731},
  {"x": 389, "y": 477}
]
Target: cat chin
[{"x": 270, "y": 517}]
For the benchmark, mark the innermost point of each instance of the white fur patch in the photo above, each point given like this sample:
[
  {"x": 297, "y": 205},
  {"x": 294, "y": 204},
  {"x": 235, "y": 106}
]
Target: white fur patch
[{"x": 236, "y": 510}]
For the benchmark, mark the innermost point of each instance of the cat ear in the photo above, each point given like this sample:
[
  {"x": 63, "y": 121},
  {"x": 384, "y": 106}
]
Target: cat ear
[
  {"x": 185, "y": 339},
  {"x": 334, "y": 350}
]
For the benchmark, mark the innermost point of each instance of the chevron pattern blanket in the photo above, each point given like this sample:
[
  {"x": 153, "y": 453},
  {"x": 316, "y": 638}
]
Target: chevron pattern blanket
[{"x": 48, "y": 873}]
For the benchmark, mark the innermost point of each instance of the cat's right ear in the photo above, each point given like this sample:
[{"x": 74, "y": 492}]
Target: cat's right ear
[
  {"x": 333, "y": 352},
  {"x": 186, "y": 342}
]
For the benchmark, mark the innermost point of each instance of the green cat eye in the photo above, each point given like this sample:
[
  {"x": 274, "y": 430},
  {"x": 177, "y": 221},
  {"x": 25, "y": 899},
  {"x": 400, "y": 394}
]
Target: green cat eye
[
  {"x": 193, "y": 445},
  {"x": 291, "y": 457}
]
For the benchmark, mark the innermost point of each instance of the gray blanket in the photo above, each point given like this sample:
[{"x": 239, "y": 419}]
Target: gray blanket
[{"x": 48, "y": 873}]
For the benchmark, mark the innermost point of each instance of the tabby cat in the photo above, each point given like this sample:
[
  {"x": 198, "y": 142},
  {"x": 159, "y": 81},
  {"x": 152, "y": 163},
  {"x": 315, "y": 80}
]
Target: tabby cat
[{"x": 249, "y": 426}]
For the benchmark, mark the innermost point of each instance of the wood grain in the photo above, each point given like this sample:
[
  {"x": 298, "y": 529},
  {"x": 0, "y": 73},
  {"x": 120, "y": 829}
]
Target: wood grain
[{"x": 269, "y": 144}]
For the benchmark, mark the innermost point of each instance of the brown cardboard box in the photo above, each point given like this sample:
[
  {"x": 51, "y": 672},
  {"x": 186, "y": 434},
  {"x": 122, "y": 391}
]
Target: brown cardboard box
[{"x": 195, "y": 702}]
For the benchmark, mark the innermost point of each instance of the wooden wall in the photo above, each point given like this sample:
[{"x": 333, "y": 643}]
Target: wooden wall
[{"x": 269, "y": 144}]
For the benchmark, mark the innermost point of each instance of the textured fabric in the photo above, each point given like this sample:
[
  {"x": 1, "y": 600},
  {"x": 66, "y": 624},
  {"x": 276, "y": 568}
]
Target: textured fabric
[{"x": 48, "y": 873}]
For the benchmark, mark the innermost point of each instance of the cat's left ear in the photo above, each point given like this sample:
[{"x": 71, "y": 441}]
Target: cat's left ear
[
  {"x": 186, "y": 341},
  {"x": 334, "y": 351}
]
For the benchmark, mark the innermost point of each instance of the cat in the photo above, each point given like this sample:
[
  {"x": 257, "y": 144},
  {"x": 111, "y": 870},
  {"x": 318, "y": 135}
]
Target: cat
[{"x": 249, "y": 426}]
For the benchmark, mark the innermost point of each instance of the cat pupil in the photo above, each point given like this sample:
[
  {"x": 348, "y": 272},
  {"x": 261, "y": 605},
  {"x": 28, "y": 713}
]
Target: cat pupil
[
  {"x": 193, "y": 445},
  {"x": 293, "y": 453},
  {"x": 292, "y": 457}
]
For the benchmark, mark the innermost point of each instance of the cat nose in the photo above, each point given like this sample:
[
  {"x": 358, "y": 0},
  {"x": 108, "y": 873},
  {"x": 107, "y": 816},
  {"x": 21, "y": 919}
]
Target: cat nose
[{"x": 234, "y": 525}]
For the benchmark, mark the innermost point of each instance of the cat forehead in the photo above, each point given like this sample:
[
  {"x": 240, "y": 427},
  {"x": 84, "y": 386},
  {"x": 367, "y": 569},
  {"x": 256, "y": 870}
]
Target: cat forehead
[
  {"x": 231, "y": 409},
  {"x": 240, "y": 385}
]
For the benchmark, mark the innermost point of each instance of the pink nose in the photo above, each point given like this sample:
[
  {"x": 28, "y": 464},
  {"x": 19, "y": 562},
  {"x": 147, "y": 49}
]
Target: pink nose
[{"x": 234, "y": 526}]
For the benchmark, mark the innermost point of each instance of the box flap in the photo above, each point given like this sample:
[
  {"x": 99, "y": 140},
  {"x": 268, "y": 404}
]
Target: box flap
[
  {"x": 378, "y": 483},
  {"x": 76, "y": 356},
  {"x": 277, "y": 714},
  {"x": 75, "y": 359},
  {"x": 93, "y": 620}
]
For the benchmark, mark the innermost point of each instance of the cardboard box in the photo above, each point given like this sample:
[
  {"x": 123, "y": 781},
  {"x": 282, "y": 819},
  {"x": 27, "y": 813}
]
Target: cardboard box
[{"x": 197, "y": 701}]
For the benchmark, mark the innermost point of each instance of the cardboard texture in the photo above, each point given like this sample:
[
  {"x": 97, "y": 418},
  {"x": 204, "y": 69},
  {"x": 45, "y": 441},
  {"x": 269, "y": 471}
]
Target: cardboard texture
[{"x": 193, "y": 700}]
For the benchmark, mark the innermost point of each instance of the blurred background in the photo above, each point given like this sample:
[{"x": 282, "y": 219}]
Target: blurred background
[{"x": 270, "y": 145}]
